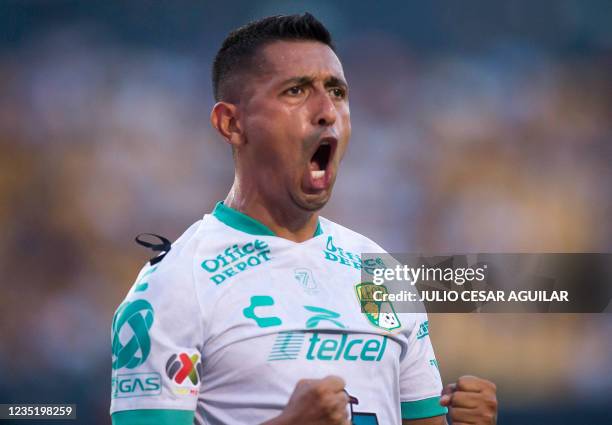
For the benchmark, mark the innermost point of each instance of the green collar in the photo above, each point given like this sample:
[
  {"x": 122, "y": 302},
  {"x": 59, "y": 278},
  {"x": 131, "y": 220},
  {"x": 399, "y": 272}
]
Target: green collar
[{"x": 244, "y": 223}]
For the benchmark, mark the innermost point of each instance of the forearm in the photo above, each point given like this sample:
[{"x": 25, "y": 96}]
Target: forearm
[
  {"x": 281, "y": 419},
  {"x": 436, "y": 420}
]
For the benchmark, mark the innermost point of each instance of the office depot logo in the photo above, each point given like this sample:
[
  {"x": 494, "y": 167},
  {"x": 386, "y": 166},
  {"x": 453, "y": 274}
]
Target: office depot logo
[{"x": 235, "y": 259}]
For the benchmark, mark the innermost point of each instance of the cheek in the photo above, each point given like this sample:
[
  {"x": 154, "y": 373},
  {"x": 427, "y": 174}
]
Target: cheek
[
  {"x": 346, "y": 133},
  {"x": 273, "y": 136},
  {"x": 347, "y": 127}
]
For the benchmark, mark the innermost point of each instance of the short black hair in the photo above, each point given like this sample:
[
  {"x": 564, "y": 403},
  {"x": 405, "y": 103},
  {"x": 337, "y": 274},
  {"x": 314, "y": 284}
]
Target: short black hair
[{"x": 241, "y": 45}]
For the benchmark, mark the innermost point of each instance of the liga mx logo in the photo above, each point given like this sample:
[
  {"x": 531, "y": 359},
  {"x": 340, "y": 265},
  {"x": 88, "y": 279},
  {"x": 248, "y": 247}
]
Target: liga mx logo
[
  {"x": 182, "y": 366},
  {"x": 131, "y": 341}
]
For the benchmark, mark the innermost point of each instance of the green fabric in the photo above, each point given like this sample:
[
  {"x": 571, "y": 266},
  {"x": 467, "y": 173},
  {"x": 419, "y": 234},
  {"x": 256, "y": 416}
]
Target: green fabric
[
  {"x": 318, "y": 231},
  {"x": 425, "y": 408},
  {"x": 153, "y": 417},
  {"x": 246, "y": 224}
]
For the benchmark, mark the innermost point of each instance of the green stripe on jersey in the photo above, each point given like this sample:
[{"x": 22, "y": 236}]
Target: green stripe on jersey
[
  {"x": 244, "y": 223},
  {"x": 425, "y": 408},
  {"x": 153, "y": 417}
]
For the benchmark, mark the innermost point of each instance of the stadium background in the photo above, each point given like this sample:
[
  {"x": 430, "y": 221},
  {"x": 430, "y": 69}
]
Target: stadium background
[{"x": 477, "y": 127}]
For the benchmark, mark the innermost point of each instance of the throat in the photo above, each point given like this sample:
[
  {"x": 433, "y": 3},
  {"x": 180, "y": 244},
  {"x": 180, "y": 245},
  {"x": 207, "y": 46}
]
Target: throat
[{"x": 291, "y": 222}]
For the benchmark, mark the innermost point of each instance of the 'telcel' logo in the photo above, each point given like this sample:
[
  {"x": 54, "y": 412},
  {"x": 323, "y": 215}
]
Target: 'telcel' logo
[
  {"x": 181, "y": 366},
  {"x": 139, "y": 316}
]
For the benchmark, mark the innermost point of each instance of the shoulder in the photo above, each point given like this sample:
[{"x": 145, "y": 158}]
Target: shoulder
[
  {"x": 173, "y": 276},
  {"x": 176, "y": 275},
  {"x": 357, "y": 241}
]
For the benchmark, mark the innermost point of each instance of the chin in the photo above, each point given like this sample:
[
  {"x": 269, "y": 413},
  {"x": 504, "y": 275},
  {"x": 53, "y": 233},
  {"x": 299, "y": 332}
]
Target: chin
[{"x": 310, "y": 202}]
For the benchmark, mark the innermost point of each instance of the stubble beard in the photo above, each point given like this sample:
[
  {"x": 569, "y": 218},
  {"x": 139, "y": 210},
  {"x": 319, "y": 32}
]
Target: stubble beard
[{"x": 309, "y": 206}]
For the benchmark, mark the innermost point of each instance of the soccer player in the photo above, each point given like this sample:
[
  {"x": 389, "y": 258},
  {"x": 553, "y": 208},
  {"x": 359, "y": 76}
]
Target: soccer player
[{"x": 252, "y": 315}]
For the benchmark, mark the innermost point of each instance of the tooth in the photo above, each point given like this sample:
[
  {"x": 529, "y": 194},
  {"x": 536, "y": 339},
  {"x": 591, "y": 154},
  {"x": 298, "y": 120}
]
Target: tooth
[{"x": 317, "y": 174}]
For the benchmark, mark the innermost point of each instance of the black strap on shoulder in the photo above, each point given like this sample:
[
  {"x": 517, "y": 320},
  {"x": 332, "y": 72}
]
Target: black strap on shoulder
[{"x": 163, "y": 247}]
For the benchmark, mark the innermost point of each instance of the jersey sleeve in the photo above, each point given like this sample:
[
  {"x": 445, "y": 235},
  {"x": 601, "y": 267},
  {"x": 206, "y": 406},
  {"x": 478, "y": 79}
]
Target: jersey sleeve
[
  {"x": 420, "y": 382},
  {"x": 157, "y": 336}
]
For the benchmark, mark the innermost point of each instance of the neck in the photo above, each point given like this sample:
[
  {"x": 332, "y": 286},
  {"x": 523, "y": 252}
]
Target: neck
[{"x": 291, "y": 222}]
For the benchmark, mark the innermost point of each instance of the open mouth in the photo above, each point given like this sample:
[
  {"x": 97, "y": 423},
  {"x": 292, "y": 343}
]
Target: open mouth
[
  {"x": 319, "y": 166},
  {"x": 320, "y": 159}
]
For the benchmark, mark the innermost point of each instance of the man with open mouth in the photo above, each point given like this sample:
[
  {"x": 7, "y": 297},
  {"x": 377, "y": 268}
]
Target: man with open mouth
[{"x": 251, "y": 316}]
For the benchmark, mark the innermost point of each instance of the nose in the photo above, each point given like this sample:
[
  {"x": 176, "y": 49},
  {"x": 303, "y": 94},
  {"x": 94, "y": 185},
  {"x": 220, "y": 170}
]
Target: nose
[{"x": 325, "y": 112}]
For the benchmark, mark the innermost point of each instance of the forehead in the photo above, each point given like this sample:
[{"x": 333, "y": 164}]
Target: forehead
[{"x": 287, "y": 59}]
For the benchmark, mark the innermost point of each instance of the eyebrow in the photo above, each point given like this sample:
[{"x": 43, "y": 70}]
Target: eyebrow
[{"x": 305, "y": 80}]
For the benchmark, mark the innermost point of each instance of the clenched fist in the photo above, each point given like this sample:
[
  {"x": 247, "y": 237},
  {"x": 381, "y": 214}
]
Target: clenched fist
[
  {"x": 316, "y": 402},
  {"x": 471, "y": 400}
]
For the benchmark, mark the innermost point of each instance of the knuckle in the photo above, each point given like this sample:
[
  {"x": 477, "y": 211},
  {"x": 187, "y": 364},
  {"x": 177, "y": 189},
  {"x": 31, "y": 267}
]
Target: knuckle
[
  {"x": 331, "y": 411},
  {"x": 464, "y": 380},
  {"x": 449, "y": 389},
  {"x": 337, "y": 416},
  {"x": 492, "y": 403},
  {"x": 457, "y": 398},
  {"x": 483, "y": 415},
  {"x": 301, "y": 383},
  {"x": 337, "y": 380},
  {"x": 487, "y": 383},
  {"x": 488, "y": 416},
  {"x": 336, "y": 377},
  {"x": 319, "y": 392}
]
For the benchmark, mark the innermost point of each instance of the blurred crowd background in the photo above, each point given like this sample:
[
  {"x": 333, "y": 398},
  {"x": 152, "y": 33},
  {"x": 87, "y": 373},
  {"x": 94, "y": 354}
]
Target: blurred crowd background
[{"x": 477, "y": 127}]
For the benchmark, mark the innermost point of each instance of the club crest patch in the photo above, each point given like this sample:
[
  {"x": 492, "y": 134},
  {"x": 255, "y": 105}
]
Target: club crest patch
[{"x": 379, "y": 313}]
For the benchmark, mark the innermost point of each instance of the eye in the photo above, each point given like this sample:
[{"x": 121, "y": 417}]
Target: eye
[
  {"x": 338, "y": 92},
  {"x": 294, "y": 91}
]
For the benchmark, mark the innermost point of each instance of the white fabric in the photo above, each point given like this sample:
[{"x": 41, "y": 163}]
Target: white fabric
[{"x": 250, "y": 370}]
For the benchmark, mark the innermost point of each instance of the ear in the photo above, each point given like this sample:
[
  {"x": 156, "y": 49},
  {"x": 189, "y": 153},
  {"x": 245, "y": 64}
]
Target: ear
[{"x": 224, "y": 117}]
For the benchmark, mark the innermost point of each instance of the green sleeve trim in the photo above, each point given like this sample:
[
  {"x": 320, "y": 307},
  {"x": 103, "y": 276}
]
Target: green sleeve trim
[
  {"x": 153, "y": 417},
  {"x": 425, "y": 408}
]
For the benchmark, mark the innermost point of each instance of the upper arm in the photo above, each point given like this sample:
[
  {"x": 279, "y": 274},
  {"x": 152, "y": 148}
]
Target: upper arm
[
  {"x": 420, "y": 382},
  {"x": 156, "y": 343}
]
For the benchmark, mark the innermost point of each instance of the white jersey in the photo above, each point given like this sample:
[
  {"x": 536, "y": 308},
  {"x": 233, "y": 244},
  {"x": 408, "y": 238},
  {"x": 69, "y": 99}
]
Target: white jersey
[{"x": 222, "y": 329}]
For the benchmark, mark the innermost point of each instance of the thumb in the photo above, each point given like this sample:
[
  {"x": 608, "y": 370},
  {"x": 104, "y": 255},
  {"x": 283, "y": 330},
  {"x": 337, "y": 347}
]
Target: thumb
[{"x": 447, "y": 394}]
